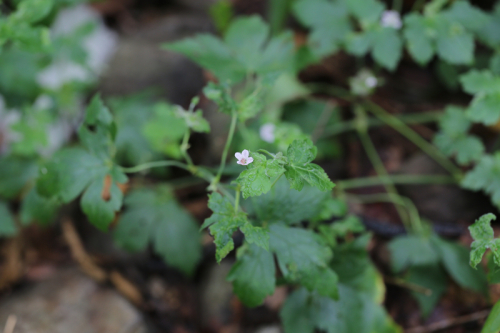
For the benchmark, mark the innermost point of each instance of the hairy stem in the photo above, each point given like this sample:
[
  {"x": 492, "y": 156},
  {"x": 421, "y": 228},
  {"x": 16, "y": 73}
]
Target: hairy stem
[{"x": 232, "y": 127}]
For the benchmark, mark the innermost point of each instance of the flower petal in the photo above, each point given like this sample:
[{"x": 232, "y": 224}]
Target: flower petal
[
  {"x": 245, "y": 153},
  {"x": 238, "y": 156},
  {"x": 249, "y": 160},
  {"x": 240, "y": 163}
]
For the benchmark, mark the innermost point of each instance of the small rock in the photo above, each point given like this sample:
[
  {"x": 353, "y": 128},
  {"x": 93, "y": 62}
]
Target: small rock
[
  {"x": 139, "y": 62},
  {"x": 69, "y": 301}
]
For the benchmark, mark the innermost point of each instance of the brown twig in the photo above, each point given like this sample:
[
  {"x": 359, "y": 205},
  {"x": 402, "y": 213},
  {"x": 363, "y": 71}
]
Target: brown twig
[
  {"x": 10, "y": 324},
  {"x": 408, "y": 285},
  {"x": 13, "y": 266},
  {"x": 124, "y": 286},
  {"x": 79, "y": 254},
  {"x": 449, "y": 322}
]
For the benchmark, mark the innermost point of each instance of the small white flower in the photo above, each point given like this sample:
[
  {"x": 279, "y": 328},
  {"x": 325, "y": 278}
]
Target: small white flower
[
  {"x": 267, "y": 132},
  {"x": 371, "y": 82},
  {"x": 391, "y": 19},
  {"x": 243, "y": 158}
]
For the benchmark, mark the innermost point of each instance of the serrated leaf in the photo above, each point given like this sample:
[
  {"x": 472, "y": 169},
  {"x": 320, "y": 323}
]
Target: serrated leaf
[
  {"x": 196, "y": 122},
  {"x": 32, "y": 11},
  {"x": 210, "y": 53},
  {"x": 366, "y": 11},
  {"x": 246, "y": 37},
  {"x": 298, "y": 251},
  {"x": 259, "y": 176},
  {"x": 466, "y": 148},
  {"x": 68, "y": 173},
  {"x": 223, "y": 223},
  {"x": 484, "y": 109},
  {"x": 434, "y": 279},
  {"x": 32, "y": 131},
  {"x": 483, "y": 81},
  {"x": 349, "y": 224},
  {"x": 251, "y": 105},
  {"x": 412, "y": 250},
  {"x": 419, "y": 43},
  {"x": 7, "y": 224},
  {"x": 482, "y": 233},
  {"x": 485, "y": 176},
  {"x": 469, "y": 16},
  {"x": 322, "y": 280},
  {"x": 253, "y": 275},
  {"x": 455, "y": 45},
  {"x": 304, "y": 311},
  {"x": 454, "y": 258},
  {"x": 220, "y": 95},
  {"x": 359, "y": 43},
  {"x": 299, "y": 170},
  {"x": 256, "y": 235},
  {"x": 286, "y": 205},
  {"x": 329, "y": 22},
  {"x": 153, "y": 215},
  {"x": 387, "y": 48}
]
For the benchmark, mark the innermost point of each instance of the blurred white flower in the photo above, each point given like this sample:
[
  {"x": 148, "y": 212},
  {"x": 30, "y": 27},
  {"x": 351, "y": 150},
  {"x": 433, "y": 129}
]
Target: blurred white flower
[
  {"x": 99, "y": 45},
  {"x": 267, "y": 132},
  {"x": 391, "y": 19},
  {"x": 371, "y": 82},
  {"x": 243, "y": 158}
]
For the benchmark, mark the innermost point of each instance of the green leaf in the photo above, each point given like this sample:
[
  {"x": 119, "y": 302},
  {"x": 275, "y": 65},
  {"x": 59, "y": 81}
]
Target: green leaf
[
  {"x": 349, "y": 224},
  {"x": 68, "y": 173},
  {"x": 251, "y": 105},
  {"x": 165, "y": 130},
  {"x": 454, "y": 258},
  {"x": 353, "y": 312},
  {"x": 412, "y": 250},
  {"x": 492, "y": 324},
  {"x": 286, "y": 205},
  {"x": 483, "y": 81},
  {"x": 32, "y": 130},
  {"x": 131, "y": 113},
  {"x": 35, "y": 207},
  {"x": 7, "y": 224},
  {"x": 99, "y": 210},
  {"x": 153, "y": 215},
  {"x": 299, "y": 170},
  {"x": 15, "y": 173},
  {"x": 366, "y": 11},
  {"x": 246, "y": 49},
  {"x": 223, "y": 223},
  {"x": 482, "y": 233},
  {"x": 220, "y": 95},
  {"x": 256, "y": 235},
  {"x": 246, "y": 37},
  {"x": 455, "y": 44},
  {"x": 489, "y": 33},
  {"x": 32, "y": 11},
  {"x": 259, "y": 176},
  {"x": 359, "y": 43},
  {"x": 329, "y": 22},
  {"x": 469, "y": 16},
  {"x": 434, "y": 279},
  {"x": 322, "y": 280},
  {"x": 387, "y": 48},
  {"x": 485, "y": 176},
  {"x": 211, "y": 53},
  {"x": 298, "y": 251},
  {"x": 419, "y": 43},
  {"x": 484, "y": 109},
  {"x": 253, "y": 275}
]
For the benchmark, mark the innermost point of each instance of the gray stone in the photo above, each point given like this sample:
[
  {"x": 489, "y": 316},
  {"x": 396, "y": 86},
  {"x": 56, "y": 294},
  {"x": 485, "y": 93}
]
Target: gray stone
[
  {"x": 69, "y": 301},
  {"x": 139, "y": 62}
]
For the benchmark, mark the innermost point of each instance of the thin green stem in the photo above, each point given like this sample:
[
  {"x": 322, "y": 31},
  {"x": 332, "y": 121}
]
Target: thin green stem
[
  {"x": 415, "y": 118},
  {"x": 263, "y": 151},
  {"x": 237, "y": 201},
  {"x": 414, "y": 137},
  {"x": 395, "y": 179},
  {"x": 155, "y": 164},
  {"x": 375, "y": 158},
  {"x": 234, "y": 120},
  {"x": 185, "y": 147}
]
